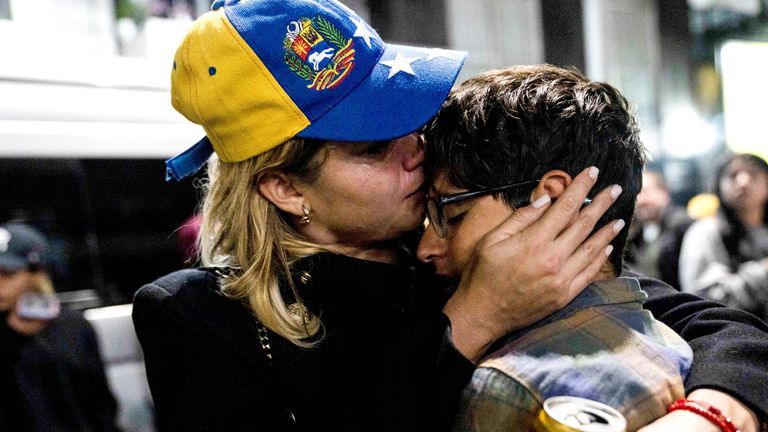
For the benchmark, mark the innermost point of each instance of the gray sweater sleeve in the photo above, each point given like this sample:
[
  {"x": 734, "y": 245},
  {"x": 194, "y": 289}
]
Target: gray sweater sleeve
[{"x": 704, "y": 271}]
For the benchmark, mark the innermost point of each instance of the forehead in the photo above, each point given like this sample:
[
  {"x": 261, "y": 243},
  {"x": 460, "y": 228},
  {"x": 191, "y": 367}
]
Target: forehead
[
  {"x": 740, "y": 164},
  {"x": 442, "y": 186}
]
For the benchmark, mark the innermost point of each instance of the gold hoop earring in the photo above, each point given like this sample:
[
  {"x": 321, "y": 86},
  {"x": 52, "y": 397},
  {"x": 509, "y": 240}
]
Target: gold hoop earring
[{"x": 307, "y": 215}]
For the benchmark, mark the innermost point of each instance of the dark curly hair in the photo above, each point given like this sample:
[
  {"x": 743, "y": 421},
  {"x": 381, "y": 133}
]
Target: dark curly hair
[{"x": 516, "y": 124}]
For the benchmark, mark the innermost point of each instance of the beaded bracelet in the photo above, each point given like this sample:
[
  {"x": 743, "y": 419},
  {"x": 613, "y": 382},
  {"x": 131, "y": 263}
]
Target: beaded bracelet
[{"x": 707, "y": 411}]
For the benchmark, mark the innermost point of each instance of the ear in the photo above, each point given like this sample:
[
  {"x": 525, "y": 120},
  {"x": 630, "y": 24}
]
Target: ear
[
  {"x": 553, "y": 183},
  {"x": 278, "y": 188}
]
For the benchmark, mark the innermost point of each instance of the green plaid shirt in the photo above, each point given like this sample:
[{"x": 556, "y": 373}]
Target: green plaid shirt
[{"x": 603, "y": 346}]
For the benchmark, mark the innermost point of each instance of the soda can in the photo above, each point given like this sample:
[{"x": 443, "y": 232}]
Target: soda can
[{"x": 574, "y": 414}]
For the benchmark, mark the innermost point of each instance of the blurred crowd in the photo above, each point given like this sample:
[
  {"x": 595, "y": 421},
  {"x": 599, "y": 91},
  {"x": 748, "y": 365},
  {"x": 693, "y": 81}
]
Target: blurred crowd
[{"x": 716, "y": 247}]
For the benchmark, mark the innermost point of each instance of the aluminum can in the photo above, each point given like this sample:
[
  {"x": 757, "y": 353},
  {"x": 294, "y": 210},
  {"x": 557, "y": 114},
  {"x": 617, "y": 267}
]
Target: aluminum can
[{"x": 574, "y": 414}]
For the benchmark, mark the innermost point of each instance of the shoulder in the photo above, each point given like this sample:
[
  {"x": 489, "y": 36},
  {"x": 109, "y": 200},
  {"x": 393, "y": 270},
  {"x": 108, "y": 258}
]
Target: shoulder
[
  {"x": 702, "y": 240},
  {"x": 590, "y": 341},
  {"x": 706, "y": 226},
  {"x": 652, "y": 287},
  {"x": 497, "y": 401},
  {"x": 190, "y": 293},
  {"x": 69, "y": 331},
  {"x": 179, "y": 283},
  {"x": 187, "y": 286}
]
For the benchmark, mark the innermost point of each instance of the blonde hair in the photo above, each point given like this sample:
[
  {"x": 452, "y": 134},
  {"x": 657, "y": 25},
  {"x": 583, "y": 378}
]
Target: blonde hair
[{"x": 244, "y": 231}]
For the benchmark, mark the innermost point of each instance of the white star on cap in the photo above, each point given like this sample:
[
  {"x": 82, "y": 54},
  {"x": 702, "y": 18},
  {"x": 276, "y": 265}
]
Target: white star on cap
[
  {"x": 362, "y": 32},
  {"x": 400, "y": 64},
  {"x": 439, "y": 52}
]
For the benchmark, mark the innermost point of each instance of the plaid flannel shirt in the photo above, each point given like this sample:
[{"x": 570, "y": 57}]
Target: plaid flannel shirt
[{"x": 603, "y": 346}]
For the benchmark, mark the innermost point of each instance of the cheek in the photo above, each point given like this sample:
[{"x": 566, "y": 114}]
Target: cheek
[
  {"x": 366, "y": 183},
  {"x": 462, "y": 244},
  {"x": 12, "y": 289},
  {"x": 376, "y": 194},
  {"x": 341, "y": 187},
  {"x": 726, "y": 187},
  {"x": 763, "y": 182},
  {"x": 487, "y": 215}
]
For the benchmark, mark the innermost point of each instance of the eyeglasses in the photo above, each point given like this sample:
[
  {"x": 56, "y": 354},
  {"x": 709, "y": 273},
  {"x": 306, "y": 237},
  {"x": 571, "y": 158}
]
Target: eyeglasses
[{"x": 436, "y": 204}]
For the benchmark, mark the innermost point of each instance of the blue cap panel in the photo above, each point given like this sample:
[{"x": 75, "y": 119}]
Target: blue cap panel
[
  {"x": 405, "y": 89},
  {"x": 310, "y": 48}
]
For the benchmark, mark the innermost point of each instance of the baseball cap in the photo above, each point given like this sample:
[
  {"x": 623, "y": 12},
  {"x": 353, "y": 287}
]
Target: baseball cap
[
  {"x": 21, "y": 247},
  {"x": 255, "y": 73}
]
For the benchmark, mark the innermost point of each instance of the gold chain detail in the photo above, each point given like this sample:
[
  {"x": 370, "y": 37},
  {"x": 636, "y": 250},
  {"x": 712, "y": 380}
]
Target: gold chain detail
[{"x": 264, "y": 339}]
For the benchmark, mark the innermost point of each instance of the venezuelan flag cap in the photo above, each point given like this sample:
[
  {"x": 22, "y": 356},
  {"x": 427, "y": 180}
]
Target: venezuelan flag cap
[{"x": 255, "y": 73}]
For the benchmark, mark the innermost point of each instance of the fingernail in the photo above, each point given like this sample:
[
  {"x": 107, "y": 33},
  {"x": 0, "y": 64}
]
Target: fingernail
[
  {"x": 608, "y": 250},
  {"x": 615, "y": 191},
  {"x": 593, "y": 171},
  {"x": 541, "y": 201},
  {"x": 618, "y": 225}
]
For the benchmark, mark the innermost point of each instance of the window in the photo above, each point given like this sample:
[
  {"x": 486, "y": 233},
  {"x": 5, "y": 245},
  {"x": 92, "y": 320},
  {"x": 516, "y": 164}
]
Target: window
[
  {"x": 421, "y": 22},
  {"x": 111, "y": 223}
]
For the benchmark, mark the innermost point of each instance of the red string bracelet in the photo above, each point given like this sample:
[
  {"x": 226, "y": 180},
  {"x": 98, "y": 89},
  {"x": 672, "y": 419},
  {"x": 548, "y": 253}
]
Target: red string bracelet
[{"x": 707, "y": 411}]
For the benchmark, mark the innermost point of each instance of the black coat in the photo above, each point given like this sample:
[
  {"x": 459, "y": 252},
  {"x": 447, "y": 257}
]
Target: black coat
[
  {"x": 54, "y": 381},
  {"x": 385, "y": 363}
]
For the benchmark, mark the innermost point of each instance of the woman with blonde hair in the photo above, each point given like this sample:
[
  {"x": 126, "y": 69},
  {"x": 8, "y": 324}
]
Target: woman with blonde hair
[
  {"x": 313, "y": 308},
  {"x": 312, "y": 311}
]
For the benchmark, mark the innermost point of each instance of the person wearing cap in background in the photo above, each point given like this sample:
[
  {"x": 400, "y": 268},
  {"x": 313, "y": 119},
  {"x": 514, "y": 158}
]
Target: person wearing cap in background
[
  {"x": 51, "y": 373},
  {"x": 312, "y": 312}
]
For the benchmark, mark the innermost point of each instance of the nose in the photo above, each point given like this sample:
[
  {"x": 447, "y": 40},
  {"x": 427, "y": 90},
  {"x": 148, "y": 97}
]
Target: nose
[
  {"x": 743, "y": 178},
  {"x": 431, "y": 246},
  {"x": 411, "y": 151}
]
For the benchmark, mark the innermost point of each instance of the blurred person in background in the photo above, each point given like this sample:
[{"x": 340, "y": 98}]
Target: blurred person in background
[
  {"x": 51, "y": 374},
  {"x": 656, "y": 233},
  {"x": 187, "y": 239},
  {"x": 725, "y": 257}
]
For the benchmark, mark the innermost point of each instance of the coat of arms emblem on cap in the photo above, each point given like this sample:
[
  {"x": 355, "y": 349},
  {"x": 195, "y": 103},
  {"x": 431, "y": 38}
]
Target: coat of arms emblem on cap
[{"x": 318, "y": 52}]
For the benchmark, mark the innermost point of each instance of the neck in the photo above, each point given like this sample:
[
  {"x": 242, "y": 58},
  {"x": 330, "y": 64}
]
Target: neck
[
  {"x": 379, "y": 253},
  {"x": 752, "y": 218},
  {"x": 606, "y": 272}
]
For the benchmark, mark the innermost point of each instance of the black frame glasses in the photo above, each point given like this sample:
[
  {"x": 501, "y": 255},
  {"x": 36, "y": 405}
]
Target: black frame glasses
[{"x": 435, "y": 204}]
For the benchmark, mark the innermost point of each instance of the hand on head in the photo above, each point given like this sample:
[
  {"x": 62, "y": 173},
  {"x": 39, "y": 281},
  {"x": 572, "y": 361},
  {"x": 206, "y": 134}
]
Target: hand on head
[{"x": 551, "y": 260}]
